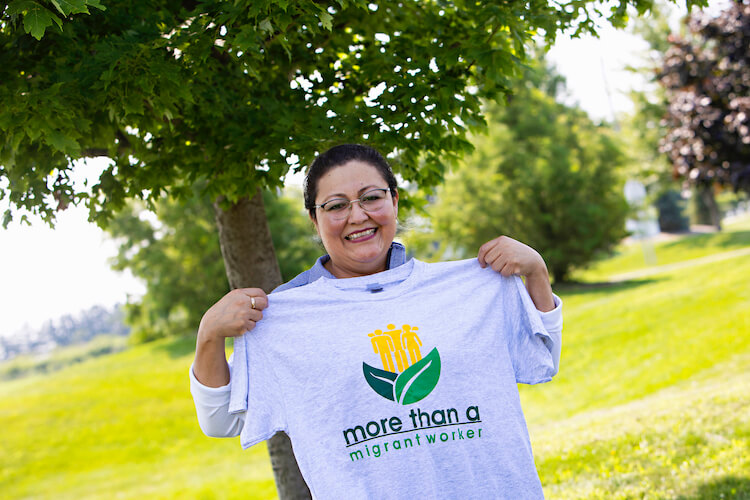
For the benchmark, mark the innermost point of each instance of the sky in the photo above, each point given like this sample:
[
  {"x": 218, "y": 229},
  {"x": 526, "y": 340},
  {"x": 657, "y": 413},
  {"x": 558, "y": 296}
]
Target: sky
[{"x": 47, "y": 273}]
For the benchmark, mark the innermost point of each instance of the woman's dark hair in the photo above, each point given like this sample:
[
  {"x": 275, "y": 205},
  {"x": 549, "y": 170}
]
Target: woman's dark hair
[{"x": 337, "y": 156}]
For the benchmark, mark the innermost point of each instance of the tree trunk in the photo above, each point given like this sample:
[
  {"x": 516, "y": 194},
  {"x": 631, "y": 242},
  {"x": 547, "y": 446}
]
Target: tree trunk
[
  {"x": 709, "y": 201},
  {"x": 250, "y": 261}
]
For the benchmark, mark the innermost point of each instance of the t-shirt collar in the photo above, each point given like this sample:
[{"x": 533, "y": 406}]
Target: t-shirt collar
[{"x": 396, "y": 257}]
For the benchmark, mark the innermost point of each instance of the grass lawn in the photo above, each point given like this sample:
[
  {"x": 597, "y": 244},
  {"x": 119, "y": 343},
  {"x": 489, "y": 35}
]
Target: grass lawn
[
  {"x": 690, "y": 441},
  {"x": 640, "y": 255},
  {"x": 120, "y": 426},
  {"x": 652, "y": 400}
]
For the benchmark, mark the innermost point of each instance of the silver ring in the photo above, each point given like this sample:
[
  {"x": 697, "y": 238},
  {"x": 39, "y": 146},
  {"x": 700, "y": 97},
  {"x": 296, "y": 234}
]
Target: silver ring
[{"x": 252, "y": 302}]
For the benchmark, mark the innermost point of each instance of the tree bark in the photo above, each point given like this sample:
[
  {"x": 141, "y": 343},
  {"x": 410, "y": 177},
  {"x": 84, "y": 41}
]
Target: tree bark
[
  {"x": 250, "y": 261},
  {"x": 709, "y": 201}
]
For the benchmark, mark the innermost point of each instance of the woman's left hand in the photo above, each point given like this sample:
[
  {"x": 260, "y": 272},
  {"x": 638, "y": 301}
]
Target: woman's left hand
[{"x": 508, "y": 256}]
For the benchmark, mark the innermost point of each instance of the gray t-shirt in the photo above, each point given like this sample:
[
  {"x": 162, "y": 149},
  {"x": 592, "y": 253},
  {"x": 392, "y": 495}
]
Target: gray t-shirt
[{"x": 398, "y": 384}]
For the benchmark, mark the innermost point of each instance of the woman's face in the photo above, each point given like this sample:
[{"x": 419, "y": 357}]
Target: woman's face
[{"x": 358, "y": 244}]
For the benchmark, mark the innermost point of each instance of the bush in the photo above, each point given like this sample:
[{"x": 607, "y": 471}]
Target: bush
[{"x": 671, "y": 207}]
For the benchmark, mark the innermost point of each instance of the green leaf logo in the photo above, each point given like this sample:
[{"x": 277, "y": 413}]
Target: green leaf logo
[
  {"x": 417, "y": 381},
  {"x": 410, "y": 386},
  {"x": 381, "y": 381}
]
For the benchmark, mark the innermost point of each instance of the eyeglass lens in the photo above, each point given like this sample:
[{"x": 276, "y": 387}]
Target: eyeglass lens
[{"x": 339, "y": 208}]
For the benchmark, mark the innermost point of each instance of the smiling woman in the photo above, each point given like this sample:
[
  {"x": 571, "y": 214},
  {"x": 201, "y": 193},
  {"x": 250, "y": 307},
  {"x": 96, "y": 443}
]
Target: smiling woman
[
  {"x": 358, "y": 242},
  {"x": 306, "y": 369}
]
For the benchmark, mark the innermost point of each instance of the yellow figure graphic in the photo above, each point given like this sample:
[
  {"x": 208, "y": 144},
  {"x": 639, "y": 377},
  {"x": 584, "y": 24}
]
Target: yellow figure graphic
[
  {"x": 411, "y": 342},
  {"x": 383, "y": 345},
  {"x": 398, "y": 352}
]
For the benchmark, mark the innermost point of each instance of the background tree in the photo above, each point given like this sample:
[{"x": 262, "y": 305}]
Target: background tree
[
  {"x": 707, "y": 77},
  {"x": 544, "y": 174},
  {"x": 642, "y": 130},
  {"x": 176, "y": 253},
  {"x": 238, "y": 92}
]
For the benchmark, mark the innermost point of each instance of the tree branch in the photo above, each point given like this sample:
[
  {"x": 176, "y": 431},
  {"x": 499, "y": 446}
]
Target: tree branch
[
  {"x": 123, "y": 145},
  {"x": 95, "y": 152}
]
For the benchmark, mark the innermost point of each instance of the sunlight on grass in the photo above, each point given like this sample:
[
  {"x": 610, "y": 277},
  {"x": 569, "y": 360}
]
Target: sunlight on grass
[
  {"x": 629, "y": 340},
  {"x": 652, "y": 399},
  {"x": 122, "y": 424},
  {"x": 689, "y": 441}
]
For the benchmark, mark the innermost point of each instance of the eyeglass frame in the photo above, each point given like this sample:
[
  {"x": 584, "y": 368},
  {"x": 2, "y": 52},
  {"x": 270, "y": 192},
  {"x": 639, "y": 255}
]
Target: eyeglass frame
[{"x": 348, "y": 207}]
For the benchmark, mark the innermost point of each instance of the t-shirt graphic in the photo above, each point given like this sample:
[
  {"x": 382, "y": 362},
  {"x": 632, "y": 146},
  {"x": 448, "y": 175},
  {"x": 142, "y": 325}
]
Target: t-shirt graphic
[
  {"x": 413, "y": 377},
  {"x": 398, "y": 384}
]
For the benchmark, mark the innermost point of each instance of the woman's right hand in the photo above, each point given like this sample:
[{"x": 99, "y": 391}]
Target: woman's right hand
[{"x": 233, "y": 315}]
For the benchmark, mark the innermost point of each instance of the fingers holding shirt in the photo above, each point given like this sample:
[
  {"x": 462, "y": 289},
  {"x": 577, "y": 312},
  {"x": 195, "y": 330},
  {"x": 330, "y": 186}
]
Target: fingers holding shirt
[
  {"x": 508, "y": 256},
  {"x": 234, "y": 314}
]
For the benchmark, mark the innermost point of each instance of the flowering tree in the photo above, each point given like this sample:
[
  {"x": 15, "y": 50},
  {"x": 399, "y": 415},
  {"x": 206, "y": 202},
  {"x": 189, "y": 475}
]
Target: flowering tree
[{"x": 707, "y": 78}]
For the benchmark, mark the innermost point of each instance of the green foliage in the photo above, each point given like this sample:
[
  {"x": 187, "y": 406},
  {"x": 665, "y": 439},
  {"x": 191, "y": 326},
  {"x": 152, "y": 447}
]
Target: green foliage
[
  {"x": 38, "y": 16},
  {"x": 544, "y": 174},
  {"x": 179, "y": 258},
  {"x": 176, "y": 252},
  {"x": 643, "y": 130},
  {"x": 651, "y": 402},
  {"x": 655, "y": 31},
  {"x": 240, "y": 92},
  {"x": 640, "y": 133}
]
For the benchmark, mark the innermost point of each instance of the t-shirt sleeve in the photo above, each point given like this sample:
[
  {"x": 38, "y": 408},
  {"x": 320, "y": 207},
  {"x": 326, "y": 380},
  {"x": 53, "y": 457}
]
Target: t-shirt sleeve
[
  {"x": 255, "y": 390},
  {"x": 530, "y": 345},
  {"x": 553, "y": 323}
]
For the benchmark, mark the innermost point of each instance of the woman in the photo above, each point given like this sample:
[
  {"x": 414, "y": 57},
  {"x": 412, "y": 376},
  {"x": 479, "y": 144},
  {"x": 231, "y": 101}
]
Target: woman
[{"x": 365, "y": 284}]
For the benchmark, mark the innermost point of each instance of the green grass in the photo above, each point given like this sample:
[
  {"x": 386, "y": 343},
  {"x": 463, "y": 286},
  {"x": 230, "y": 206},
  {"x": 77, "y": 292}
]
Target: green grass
[
  {"x": 652, "y": 401},
  {"x": 28, "y": 364},
  {"x": 120, "y": 425},
  {"x": 690, "y": 441},
  {"x": 626, "y": 341},
  {"x": 641, "y": 255}
]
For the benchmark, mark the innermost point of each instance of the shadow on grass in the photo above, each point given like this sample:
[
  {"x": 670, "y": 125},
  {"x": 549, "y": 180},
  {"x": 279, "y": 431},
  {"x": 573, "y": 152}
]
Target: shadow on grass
[
  {"x": 723, "y": 239},
  {"x": 735, "y": 488},
  {"x": 573, "y": 288}
]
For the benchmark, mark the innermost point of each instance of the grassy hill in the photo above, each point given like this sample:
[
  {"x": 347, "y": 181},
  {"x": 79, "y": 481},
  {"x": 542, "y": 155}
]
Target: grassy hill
[
  {"x": 120, "y": 426},
  {"x": 652, "y": 400}
]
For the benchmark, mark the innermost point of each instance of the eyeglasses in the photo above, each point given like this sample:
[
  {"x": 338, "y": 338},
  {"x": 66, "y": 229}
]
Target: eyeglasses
[{"x": 339, "y": 208}]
